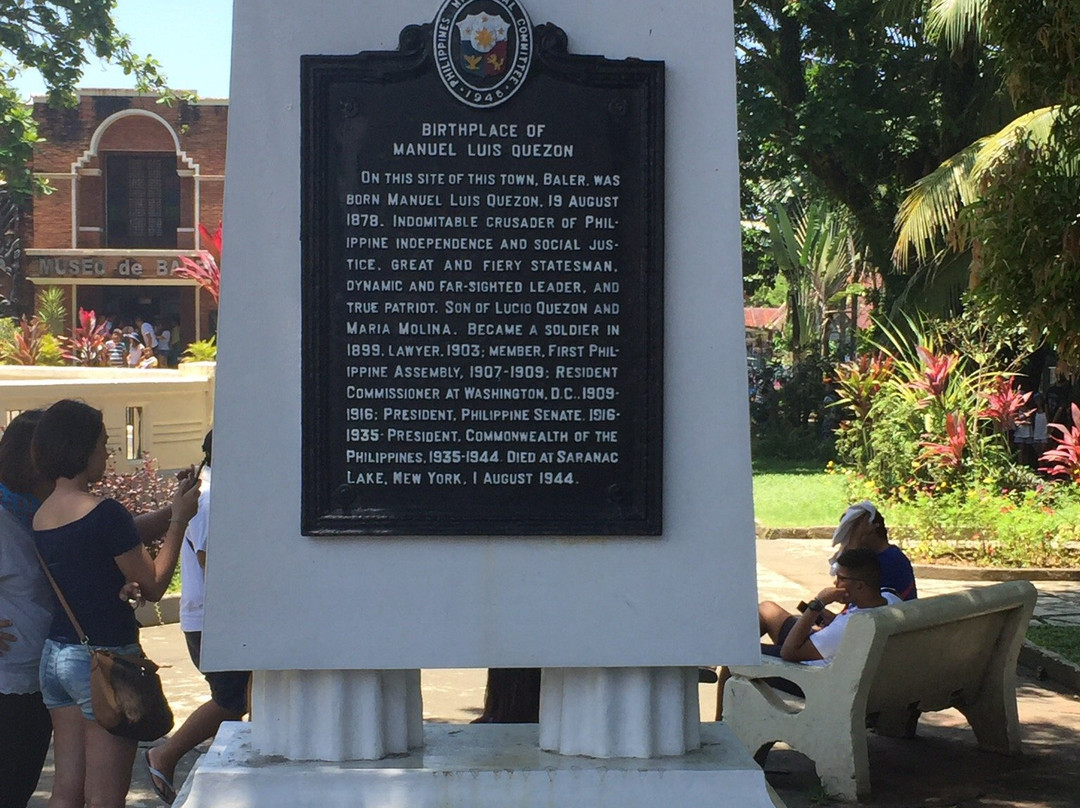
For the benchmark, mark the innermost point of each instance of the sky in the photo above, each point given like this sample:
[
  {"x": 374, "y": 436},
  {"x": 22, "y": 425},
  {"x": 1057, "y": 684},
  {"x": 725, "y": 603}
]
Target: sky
[{"x": 190, "y": 38}]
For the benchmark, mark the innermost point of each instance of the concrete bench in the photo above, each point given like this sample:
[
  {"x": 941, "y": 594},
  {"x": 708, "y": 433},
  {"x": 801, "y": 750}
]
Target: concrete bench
[{"x": 894, "y": 662}]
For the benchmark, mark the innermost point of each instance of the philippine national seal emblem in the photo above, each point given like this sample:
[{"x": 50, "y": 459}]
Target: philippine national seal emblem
[{"x": 483, "y": 49}]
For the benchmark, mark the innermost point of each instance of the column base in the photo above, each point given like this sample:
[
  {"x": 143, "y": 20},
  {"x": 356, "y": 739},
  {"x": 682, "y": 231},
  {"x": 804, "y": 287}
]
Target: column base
[
  {"x": 336, "y": 715},
  {"x": 477, "y": 766},
  {"x": 619, "y": 712}
]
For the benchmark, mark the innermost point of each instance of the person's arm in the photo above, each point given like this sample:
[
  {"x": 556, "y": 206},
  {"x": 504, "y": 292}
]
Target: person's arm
[
  {"x": 153, "y": 575},
  {"x": 797, "y": 647},
  {"x": 153, "y": 524}
]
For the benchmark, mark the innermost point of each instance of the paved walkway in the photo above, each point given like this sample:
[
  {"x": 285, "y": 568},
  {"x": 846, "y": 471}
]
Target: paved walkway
[{"x": 942, "y": 768}]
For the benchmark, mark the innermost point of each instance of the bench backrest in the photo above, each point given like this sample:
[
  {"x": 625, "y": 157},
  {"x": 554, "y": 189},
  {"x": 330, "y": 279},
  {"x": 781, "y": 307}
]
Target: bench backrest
[{"x": 936, "y": 652}]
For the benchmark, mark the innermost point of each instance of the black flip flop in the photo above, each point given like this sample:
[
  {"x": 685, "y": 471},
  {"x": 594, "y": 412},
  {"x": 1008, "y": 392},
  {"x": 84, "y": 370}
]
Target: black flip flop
[{"x": 166, "y": 793}]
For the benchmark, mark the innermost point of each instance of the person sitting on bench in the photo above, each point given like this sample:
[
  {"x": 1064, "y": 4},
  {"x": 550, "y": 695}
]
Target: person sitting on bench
[
  {"x": 863, "y": 526},
  {"x": 813, "y": 636}
]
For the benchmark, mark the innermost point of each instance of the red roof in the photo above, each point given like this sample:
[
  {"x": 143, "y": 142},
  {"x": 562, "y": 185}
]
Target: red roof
[{"x": 761, "y": 317}]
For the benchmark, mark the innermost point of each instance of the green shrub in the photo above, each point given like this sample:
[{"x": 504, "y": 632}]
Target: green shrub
[
  {"x": 52, "y": 353},
  {"x": 203, "y": 350},
  {"x": 778, "y": 441},
  {"x": 51, "y": 309},
  {"x": 28, "y": 342},
  {"x": 790, "y": 416},
  {"x": 927, "y": 414},
  {"x": 1035, "y": 528}
]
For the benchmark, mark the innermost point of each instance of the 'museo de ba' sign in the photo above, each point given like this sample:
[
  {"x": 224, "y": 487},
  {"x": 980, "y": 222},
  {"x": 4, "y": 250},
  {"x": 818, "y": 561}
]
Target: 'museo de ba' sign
[{"x": 482, "y": 284}]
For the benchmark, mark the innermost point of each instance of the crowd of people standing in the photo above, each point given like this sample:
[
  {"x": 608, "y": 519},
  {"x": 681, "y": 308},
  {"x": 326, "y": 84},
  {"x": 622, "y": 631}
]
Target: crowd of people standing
[{"x": 139, "y": 344}]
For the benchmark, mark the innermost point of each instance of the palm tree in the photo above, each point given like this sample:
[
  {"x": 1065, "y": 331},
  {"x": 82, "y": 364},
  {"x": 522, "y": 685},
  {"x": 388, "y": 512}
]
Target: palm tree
[
  {"x": 928, "y": 216},
  {"x": 816, "y": 253}
]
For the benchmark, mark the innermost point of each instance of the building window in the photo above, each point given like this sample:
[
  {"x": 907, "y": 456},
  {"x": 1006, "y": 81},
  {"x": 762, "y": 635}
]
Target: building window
[
  {"x": 133, "y": 433},
  {"x": 143, "y": 201}
]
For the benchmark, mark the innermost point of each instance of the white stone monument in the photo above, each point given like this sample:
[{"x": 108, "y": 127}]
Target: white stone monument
[{"x": 338, "y": 628}]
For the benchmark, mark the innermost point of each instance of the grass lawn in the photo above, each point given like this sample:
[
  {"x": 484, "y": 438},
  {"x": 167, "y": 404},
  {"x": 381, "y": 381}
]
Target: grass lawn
[
  {"x": 1062, "y": 640},
  {"x": 792, "y": 494}
]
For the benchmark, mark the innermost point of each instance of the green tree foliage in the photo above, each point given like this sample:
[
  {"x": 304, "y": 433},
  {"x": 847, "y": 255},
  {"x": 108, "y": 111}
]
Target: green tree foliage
[
  {"x": 928, "y": 221},
  {"x": 1027, "y": 225},
  {"x": 851, "y": 96},
  {"x": 1026, "y": 235},
  {"x": 1012, "y": 196},
  {"x": 1039, "y": 41},
  {"x": 759, "y": 270},
  {"x": 53, "y": 37}
]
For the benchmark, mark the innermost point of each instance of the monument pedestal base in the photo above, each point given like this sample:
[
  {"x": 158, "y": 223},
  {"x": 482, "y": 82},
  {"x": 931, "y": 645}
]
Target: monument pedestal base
[
  {"x": 620, "y": 712},
  {"x": 360, "y": 714},
  {"x": 477, "y": 766}
]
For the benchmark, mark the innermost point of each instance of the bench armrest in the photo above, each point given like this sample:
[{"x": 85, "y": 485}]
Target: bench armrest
[{"x": 792, "y": 671}]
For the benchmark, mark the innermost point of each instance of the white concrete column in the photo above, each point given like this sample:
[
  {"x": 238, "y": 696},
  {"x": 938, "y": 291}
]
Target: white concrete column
[
  {"x": 619, "y": 712},
  {"x": 336, "y": 715}
]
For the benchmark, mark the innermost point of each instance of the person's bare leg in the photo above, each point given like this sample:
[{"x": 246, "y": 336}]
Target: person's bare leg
[
  {"x": 722, "y": 675},
  {"x": 108, "y": 766},
  {"x": 771, "y": 619},
  {"x": 69, "y": 756},
  {"x": 203, "y": 723}
]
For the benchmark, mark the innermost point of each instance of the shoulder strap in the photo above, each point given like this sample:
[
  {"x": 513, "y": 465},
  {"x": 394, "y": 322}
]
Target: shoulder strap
[{"x": 61, "y": 598}]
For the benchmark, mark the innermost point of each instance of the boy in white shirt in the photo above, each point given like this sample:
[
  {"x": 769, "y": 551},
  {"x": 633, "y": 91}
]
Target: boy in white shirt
[{"x": 228, "y": 689}]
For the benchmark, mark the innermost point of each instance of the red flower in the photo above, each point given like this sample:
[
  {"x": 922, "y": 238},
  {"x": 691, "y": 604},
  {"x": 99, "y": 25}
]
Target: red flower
[
  {"x": 950, "y": 454},
  {"x": 214, "y": 240},
  {"x": 86, "y": 345},
  {"x": 1064, "y": 459},
  {"x": 204, "y": 270},
  {"x": 1005, "y": 405},
  {"x": 936, "y": 370}
]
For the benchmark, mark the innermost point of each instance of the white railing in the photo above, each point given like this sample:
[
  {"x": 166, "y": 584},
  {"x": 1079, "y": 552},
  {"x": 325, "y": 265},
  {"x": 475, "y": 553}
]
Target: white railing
[{"x": 163, "y": 412}]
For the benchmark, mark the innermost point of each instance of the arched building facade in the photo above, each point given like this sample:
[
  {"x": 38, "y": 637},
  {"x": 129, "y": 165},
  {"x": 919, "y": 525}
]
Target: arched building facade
[{"x": 131, "y": 181}]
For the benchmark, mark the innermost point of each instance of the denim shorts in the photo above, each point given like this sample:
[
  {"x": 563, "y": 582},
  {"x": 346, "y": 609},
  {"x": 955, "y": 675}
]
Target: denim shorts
[{"x": 65, "y": 674}]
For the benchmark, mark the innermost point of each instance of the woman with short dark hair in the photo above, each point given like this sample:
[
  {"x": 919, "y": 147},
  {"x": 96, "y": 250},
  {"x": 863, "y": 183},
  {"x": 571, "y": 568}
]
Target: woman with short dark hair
[
  {"x": 72, "y": 432},
  {"x": 91, "y": 546},
  {"x": 25, "y": 614}
]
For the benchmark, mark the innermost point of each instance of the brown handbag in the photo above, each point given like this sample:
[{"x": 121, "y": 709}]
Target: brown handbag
[{"x": 125, "y": 690}]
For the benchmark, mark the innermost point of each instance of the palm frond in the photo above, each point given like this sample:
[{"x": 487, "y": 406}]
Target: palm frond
[
  {"x": 1034, "y": 126},
  {"x": 928, "y": 212},
  {"x": 950, "y": 21},
  {"x": 932, "y": 204}
]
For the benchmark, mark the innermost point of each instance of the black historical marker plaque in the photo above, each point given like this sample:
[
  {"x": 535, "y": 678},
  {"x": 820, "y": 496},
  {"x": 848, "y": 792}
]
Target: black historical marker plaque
[{"x": 482, "y": 284}]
